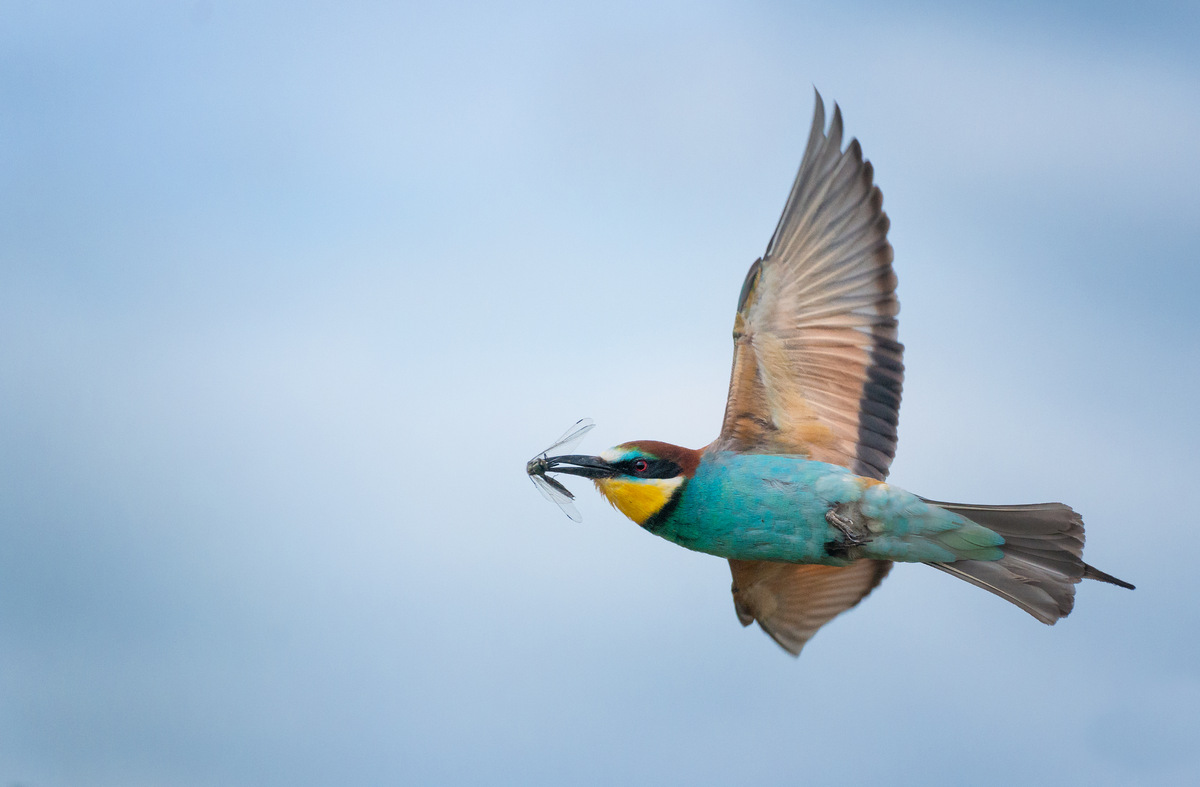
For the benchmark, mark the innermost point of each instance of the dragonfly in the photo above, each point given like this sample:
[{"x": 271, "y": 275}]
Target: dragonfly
[{"x": 538, "y": 466}]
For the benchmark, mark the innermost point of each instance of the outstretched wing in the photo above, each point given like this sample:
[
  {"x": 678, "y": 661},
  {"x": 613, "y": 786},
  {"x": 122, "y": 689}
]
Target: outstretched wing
[
  {"x": 817, "y": 370},
  {"x": 792, "y": 601}
]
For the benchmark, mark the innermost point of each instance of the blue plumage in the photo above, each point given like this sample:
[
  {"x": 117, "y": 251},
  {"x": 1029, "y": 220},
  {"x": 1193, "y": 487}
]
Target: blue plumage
[{"x": 777, "y": 507}]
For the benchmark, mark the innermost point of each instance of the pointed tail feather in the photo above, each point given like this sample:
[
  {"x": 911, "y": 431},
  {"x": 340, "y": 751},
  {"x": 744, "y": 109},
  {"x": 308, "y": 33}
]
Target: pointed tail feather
[
  {"x": 1091, "y": 572},
  {"x": 1043, "y": 557}
]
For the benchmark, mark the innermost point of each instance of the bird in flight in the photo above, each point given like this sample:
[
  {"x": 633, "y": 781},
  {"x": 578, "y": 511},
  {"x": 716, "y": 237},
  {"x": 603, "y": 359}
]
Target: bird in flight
[{"x": 792, "y": 492}]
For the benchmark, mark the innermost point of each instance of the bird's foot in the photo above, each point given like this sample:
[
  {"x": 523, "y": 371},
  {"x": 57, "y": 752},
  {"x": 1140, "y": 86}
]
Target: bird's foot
[{"x": 845, "y": 526}]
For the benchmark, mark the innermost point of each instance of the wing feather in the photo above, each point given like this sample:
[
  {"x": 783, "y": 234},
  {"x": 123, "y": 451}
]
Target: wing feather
[
  {"x": 815, "y": 332},
  {"x": 790, "y": 602}
]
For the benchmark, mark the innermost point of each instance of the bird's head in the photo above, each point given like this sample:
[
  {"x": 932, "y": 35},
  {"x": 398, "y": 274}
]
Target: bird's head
[{"x": 641, "y": 479}]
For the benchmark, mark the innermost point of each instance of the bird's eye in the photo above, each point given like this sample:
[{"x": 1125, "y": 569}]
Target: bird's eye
[{"x": 640, "y": 465}]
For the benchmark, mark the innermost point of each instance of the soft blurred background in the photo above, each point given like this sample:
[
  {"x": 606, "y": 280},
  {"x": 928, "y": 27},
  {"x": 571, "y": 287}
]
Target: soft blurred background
[{"x": 289, "y": 292}]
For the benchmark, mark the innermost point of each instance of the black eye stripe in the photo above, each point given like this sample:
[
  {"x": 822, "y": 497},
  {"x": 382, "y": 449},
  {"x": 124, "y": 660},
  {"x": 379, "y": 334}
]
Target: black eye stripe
[{"x": 655, "y": 468}]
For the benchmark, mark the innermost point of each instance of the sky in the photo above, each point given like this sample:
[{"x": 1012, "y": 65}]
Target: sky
[{"x": 289, "y": 293}]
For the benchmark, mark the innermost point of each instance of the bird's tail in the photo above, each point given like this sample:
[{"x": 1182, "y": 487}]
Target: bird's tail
[{"x": 1043, "y": 557}]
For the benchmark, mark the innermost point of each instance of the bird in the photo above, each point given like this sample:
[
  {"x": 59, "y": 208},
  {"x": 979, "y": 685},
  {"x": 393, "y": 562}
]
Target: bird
[{"x": 793, "y": 491}]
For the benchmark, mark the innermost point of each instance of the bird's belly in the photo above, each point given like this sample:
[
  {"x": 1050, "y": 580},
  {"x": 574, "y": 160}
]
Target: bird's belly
[
  {"x": 761, "y": 508},
  {"x": 780, "y": 540},
  {"x": 792, "y": 510}
]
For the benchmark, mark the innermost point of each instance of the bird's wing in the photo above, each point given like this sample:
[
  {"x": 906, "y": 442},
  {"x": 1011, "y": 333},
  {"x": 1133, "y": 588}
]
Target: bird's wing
[
  {"x": 792, "y": 601},
  {"x": 817, "y": 369}
]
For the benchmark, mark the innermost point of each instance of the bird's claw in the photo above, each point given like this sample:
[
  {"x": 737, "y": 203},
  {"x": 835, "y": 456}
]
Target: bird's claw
[{"x": 845, "y": 526}]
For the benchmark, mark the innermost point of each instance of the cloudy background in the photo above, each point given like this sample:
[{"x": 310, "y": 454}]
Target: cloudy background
[{"x": 290, "y": 291}]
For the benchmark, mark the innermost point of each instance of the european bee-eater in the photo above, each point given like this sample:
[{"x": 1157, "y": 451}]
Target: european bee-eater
[{"x": 792, "y": 491}]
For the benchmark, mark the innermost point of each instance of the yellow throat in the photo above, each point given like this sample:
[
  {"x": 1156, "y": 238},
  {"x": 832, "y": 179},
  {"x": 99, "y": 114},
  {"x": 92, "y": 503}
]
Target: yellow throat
[{"x": 638, "y": 499}]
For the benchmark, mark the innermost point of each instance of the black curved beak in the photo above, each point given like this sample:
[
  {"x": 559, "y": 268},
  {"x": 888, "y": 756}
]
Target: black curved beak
[{"x": 586, "y": 466}]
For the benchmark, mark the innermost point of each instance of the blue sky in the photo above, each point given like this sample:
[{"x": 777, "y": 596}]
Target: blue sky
[{"x": 290, "y": 292}]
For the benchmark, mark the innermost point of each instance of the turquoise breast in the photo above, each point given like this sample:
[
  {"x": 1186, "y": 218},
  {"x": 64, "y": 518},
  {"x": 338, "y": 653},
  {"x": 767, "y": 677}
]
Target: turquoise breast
[
  {"x": 774, "y": 507},
  {"x": 759, "y": 507}
]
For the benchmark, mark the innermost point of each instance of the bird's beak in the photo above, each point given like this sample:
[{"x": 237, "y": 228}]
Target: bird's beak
[{"x": 586, "y": 466}]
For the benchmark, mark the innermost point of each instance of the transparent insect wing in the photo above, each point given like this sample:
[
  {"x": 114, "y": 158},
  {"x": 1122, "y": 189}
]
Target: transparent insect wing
[
  {"x": 550, "y": 488},
  {"x": 571, "y": 437},
  {"x": 562, "y": 499}
]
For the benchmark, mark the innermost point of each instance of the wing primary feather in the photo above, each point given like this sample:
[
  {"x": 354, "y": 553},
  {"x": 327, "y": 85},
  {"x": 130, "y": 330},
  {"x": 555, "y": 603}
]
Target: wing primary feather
[{"x": 815, "y": 135}]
